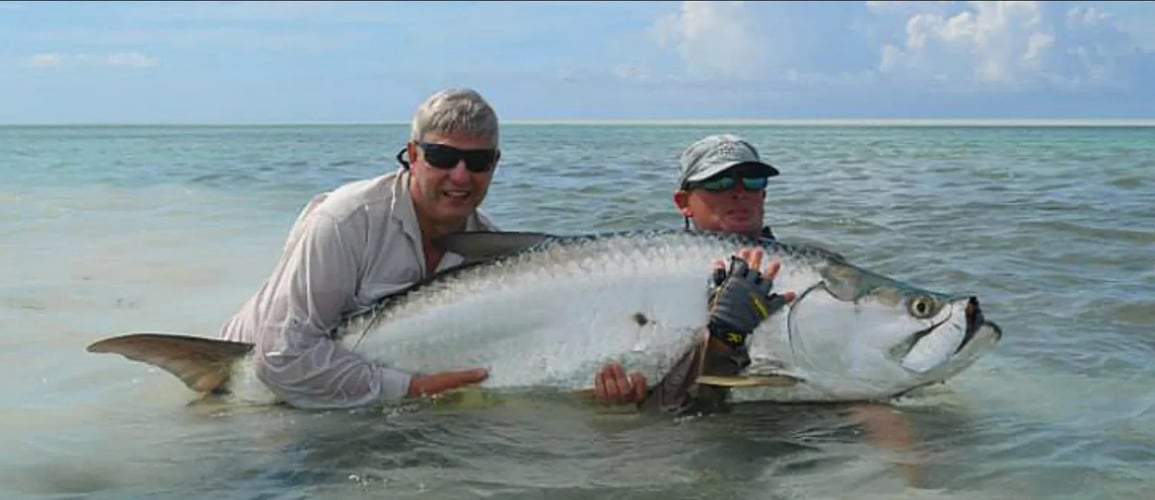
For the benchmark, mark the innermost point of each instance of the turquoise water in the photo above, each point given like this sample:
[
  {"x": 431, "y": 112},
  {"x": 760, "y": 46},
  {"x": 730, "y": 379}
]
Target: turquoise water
[{"x": 113, "y": 229}]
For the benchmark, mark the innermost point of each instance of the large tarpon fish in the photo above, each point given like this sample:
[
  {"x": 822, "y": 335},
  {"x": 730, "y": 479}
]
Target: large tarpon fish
[{"x": 541, "y": 310}]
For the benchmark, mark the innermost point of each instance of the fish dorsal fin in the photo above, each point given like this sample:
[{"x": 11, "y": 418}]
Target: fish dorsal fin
[
  {"x": 203, "y": 364},
  {"x": 484, "y": 245}
]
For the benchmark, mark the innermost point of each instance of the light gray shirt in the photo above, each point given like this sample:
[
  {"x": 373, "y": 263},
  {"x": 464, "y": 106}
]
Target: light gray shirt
[{"x": 347, "y": 248}]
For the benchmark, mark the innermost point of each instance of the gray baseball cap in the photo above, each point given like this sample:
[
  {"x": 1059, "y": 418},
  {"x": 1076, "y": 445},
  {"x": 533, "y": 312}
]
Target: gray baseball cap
[{"x": 715, "y": 154}]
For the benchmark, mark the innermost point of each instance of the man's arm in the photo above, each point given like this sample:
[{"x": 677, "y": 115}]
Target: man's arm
[
  {"x": 886, "y": 427},
  {"x": 296, "y": 359}
]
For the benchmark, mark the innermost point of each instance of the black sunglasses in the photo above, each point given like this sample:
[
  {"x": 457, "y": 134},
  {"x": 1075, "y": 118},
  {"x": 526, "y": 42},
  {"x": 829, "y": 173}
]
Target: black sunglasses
[{"x": 446, "y": 157}]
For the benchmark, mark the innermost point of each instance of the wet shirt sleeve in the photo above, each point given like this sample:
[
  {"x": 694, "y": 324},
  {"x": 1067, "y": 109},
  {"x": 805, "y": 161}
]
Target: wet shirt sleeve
[{"x": 313, "y": 287}]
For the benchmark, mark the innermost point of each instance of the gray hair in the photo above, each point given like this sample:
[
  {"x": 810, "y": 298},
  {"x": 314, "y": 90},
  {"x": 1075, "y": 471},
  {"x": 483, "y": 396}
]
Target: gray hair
[{"x": 455, "y": 111}]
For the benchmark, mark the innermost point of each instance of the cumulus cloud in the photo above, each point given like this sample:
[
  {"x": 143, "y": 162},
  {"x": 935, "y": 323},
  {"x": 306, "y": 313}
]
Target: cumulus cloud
[
  {"x": 1012, "y": 44},
  {"x": 713, "y": 39},
  {"x": 1000, "y": 43},
  {"x": 961, "y": 45},
  {"x": 120, "y": 59}
]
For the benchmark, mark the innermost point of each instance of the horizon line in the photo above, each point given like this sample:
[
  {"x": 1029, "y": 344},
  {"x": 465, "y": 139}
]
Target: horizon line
[{"x": 1019, "y": 122}]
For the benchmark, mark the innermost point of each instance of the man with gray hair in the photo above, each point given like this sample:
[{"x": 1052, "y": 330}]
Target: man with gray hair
[{"x": 366, "y": 239}]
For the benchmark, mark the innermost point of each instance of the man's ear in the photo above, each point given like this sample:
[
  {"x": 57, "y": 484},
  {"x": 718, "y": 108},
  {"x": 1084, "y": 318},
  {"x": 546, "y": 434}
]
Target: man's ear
[
  {"x": 682, "y": 201},
  {"x": 411, "y": 149}
]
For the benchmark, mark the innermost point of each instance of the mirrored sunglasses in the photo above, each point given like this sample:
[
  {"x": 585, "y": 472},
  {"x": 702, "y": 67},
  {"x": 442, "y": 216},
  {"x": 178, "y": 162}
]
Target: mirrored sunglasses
[{"x": 727, "y": 183}]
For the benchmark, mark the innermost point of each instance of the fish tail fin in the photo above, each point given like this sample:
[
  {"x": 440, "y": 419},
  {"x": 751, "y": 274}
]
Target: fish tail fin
[{"x": 203, "y": 364}]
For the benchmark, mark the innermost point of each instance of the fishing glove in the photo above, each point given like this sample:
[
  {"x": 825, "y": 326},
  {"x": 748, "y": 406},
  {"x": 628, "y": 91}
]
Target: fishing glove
[{"x": 739, "y": 300}]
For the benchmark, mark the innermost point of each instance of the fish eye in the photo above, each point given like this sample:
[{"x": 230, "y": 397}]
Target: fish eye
[{"x": 922, "y": 307}]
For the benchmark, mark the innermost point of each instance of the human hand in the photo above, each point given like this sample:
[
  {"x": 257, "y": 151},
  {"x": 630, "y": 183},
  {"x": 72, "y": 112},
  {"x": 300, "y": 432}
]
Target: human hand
[
  {"x": 426, "y": 385},
  {"x": 741, "y": 298},
  {"x": 611, "y": 386}
]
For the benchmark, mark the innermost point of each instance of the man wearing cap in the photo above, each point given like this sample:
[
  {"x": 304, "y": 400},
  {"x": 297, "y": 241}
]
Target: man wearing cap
[{"x": 722, "y": 187}]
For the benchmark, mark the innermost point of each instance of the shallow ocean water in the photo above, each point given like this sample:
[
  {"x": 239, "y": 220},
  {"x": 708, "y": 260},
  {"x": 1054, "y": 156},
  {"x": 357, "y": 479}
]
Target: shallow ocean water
[{"x": 113, "y": 229}]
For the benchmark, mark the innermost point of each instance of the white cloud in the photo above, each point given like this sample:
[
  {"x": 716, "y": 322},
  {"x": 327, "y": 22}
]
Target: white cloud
[
  {"x": 1014, "y": 44},
  {"x": 998, "y": 43},
  {"x": 1086, "y": 15},
  {"x": 713, "y": 39},
  {"x": 120, "y": 59},
  {"x": 960, "y": 46}
]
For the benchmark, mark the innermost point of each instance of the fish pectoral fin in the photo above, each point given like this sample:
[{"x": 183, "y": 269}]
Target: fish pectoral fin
[
  {"x": 749, "y": 381},
  {"x": 203, "y": 364},
  {"x": 484, "y": 245}
]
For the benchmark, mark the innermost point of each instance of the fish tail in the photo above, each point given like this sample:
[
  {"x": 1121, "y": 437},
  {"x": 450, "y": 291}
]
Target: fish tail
[{"x": 204, "y": 365}]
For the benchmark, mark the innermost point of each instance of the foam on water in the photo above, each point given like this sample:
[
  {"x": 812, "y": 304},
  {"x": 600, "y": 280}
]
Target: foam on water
[{"x": 107, "y": 230}]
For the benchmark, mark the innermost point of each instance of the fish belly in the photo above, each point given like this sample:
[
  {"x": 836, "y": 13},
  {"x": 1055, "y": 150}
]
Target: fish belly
[{"x": 551, "y": 318}]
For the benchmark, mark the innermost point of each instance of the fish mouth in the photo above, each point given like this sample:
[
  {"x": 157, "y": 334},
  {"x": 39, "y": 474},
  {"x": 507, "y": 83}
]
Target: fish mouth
[
  {"x": 975, "y": 320},
  {"x": 979, "y": 334},
  {"x": 975, "y": 326}
]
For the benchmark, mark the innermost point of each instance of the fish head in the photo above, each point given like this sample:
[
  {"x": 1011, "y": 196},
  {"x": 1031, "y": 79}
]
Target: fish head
[{"x": 854, "y": 334}]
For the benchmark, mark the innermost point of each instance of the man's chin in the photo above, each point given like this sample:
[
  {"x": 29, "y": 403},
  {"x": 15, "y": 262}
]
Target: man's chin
[
  {"x": 737, "y": 223},
  {"x": 456, "y": 207}
]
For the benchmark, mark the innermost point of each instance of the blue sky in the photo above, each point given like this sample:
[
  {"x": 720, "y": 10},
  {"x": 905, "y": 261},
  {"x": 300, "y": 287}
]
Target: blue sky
[{"x": 260, "y": 62}]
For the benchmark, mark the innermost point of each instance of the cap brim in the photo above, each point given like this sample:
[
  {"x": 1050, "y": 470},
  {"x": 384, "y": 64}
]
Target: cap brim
[
  {"x": 763, "y": 168},
  {"x": 767, "y": 169}
]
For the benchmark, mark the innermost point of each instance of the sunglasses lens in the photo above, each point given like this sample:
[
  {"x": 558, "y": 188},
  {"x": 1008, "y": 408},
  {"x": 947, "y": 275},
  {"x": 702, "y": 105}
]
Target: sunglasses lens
[
  {"x": 440, "y": 156},
  {"x": 722, "y": 184},
  {"x": 479, "y": 161},
  {"x": 727, "y": 183},
  {"x": 755, "y": 183}
]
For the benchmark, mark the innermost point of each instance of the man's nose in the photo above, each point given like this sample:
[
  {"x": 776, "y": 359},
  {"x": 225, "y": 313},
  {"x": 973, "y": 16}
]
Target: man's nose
[{"x": 459, "y": 173}]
